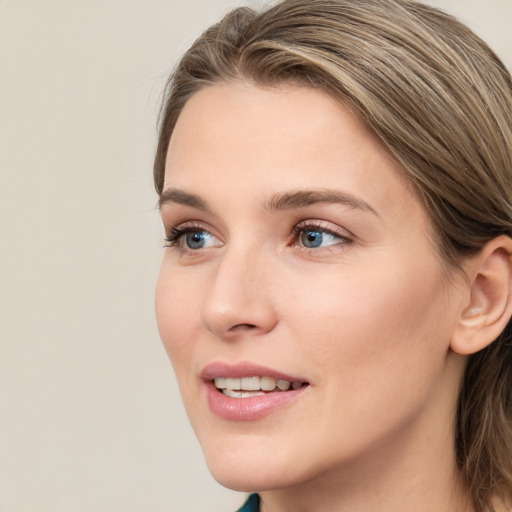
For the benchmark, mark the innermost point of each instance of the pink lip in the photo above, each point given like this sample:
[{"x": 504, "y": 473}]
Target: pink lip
[{"x": 246, "y": 409}]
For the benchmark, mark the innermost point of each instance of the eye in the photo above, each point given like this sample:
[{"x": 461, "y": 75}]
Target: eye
[
  {"x": 198, "y": 239},
  {"x": 318, "y": 236},
  {"x": 313, "y": 238},
  {"x": 191, "y": 238}
]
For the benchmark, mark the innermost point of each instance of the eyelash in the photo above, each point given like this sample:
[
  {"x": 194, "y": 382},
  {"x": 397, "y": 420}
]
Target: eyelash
[
  {"x": 320, "y": 226},
  {"x": 174, "y": 239}
]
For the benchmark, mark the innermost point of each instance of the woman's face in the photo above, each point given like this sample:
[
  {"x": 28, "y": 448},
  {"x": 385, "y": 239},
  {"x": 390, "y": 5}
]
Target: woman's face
[{"x": 299, "y": 257}]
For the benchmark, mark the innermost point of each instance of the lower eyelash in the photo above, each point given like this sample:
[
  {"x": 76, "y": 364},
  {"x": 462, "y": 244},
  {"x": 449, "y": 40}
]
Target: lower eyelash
[
  {"x": 176, "y": 234},
  {"x": 174, "y": 238}
]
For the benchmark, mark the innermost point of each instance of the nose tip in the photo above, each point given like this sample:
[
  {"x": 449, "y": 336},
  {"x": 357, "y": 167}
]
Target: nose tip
[
  {"x": 237, "y": 301},
  {"x": 237, "y": 320}
]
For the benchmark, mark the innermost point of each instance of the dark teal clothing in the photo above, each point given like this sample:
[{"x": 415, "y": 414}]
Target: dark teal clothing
[{"x": 252, "y": 504}]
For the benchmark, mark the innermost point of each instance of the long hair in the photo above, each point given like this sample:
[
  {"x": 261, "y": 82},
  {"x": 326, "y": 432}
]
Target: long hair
[{"x": 441, "y": 102}]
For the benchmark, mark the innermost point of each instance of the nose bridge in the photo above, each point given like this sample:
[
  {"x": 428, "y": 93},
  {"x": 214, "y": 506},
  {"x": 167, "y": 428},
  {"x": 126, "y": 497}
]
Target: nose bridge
[{"x": 238, "y": 297}]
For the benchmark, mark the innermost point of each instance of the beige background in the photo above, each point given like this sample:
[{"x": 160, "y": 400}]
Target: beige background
[{"x": 90, "y": 417}]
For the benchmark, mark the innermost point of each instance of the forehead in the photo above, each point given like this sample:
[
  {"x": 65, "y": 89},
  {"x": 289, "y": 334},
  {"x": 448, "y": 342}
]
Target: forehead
[
  {"x": 276, "y": 137},
  {"x": 252, "y": 116},
  {"x": 285, "y": 109}
]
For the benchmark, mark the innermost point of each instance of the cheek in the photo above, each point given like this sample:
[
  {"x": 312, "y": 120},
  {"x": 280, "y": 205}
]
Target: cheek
[
  {"x": 177, "y": 317},
  {"x": 375, "y": 323},
  {"x": 377, "y": 348}
]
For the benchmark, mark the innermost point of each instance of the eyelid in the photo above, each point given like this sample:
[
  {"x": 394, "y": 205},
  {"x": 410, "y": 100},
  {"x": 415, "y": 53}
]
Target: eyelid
[
  {"x": 190, "y": 225},
  {"x": 175, "y": 234},
  {"x": 323, "y": 226}
]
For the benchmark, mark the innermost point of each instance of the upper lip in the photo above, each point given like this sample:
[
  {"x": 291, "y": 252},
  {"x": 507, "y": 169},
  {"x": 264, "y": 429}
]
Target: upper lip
[{"x": 245, "y": 369}]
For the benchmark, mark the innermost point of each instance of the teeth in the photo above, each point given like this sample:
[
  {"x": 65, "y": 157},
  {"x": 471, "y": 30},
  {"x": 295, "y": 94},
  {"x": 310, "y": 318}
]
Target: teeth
[
  {"x": 267, "y": 383},
  {"x": 283, "y": 385},
  {"x": 251, "y": 386},
  {"x": 233, "y": 383},
  {"x": 250, "y": 383},
  {"x": 220, "y": 382},
  {"x": 241, "y": 394}
]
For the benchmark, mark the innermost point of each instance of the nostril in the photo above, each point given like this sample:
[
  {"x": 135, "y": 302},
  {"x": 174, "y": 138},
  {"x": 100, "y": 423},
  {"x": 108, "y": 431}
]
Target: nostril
[{"x": 242, "y": 327}]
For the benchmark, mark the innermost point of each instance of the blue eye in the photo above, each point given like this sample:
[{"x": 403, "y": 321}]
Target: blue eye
[
  {"x": 311, "y": 239},
  {"x": 196, "y": 239},
  {"x": 314, "y": 238},
  {"x": 191, "y": 238},
  {"x": 314, "y": 235}
]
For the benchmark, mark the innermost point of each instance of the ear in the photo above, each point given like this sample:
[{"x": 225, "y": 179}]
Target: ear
[{"x": 489, "y": 306}]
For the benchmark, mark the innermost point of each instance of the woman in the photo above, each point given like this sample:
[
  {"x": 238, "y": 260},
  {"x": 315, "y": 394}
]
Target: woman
[{"x": 334, "y": 181}]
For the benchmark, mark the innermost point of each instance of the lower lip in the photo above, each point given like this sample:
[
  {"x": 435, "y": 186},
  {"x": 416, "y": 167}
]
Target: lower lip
[{"x": 248, "y": 409}]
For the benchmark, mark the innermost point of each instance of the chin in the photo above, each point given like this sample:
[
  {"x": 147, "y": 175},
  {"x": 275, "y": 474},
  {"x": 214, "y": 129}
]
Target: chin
[
  {"x": 249, "y": 470},
  {"x": 241, "y": 481},
  {"x": 250, "y": 479},
  {"x": 239, "y": 471}
]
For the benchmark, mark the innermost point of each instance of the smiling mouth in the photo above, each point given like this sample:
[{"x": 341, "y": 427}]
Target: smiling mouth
[{"x": 246, "y": 387}]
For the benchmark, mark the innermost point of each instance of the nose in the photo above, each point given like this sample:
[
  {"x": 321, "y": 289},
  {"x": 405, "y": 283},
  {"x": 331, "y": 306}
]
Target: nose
[{"x": 238, "y": 299}]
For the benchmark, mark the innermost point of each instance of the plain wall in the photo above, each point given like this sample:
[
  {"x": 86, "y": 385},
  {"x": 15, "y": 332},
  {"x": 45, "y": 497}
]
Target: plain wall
[{"x": 90, "y": 415}]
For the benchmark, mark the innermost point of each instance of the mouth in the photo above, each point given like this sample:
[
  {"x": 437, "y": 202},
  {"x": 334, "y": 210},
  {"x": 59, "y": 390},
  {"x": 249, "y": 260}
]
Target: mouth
[
  {"x": 247, "y": 387},
  {"x": 247, "y": 391}
]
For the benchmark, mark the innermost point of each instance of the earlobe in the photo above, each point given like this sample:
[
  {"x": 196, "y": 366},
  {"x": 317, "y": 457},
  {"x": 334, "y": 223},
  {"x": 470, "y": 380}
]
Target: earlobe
[{"x": 488, "y": 310}]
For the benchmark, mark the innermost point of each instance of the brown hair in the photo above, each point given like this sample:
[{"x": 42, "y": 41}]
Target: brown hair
[{"x": 441, "y": 102}]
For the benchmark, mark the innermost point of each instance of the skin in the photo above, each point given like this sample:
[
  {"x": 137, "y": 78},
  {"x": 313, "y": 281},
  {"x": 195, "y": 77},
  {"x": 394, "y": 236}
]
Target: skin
[{"x": 367, "y": 318}]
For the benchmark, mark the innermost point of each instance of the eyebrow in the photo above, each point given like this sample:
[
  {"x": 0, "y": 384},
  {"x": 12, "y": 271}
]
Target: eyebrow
[
  {"x": 279, "y": 201},
  {"x": 302, "y": 198},
  {"x": 176, "y": 196}
]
